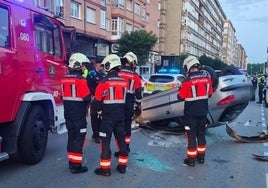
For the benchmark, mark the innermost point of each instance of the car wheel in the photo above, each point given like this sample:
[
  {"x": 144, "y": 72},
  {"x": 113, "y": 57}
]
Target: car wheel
[
  {"x": 213, "y": 76},
  {"x": 230, "y": 70}
]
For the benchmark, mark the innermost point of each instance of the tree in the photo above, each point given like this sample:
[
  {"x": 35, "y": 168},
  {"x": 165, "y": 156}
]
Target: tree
[
  {"x": 216, "y": 64},
  {"x": 139, "y": 42}
]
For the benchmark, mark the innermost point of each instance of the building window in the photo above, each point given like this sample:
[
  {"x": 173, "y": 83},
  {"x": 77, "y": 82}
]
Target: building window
[
  {"x": 117, "y": 24},
  {"x": 107, "y": 24},
  {"x": 103, "y": 2},
  {"x": 114, "y": 26},
  {"x": 4, "y": 28},
  {"x": 137, "y": 9},
  {"x": 102, "y": 19},
  {"x": 75, "y": 9},
  {"x": 91, "y": 15},
  {"x": 118, "y": 3},
  {"x": 129, "y": 5},
  {"x": 136, "y": 28},
  {"x": 54, "y": 6},
  {"x": 128, "y": 28},
  {"x": 143, "y": 13}
]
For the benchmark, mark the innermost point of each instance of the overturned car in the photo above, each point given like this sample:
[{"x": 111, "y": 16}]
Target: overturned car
[{"x": 232, "y": 93}]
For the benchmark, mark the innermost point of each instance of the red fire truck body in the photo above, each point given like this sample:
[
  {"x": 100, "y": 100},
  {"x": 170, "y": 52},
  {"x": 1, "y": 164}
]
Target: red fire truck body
[{"x": 32, "y": 61}]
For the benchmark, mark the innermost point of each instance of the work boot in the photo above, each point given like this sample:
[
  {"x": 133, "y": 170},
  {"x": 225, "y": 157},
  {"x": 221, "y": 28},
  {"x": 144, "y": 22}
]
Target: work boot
[
  {"x": 116, "y": 154},
  {"x": 121, "y": 169},
  {"x": 200, "y": 160},
  {"x": 80, "y": 169},
  {"x": 103, "y": 172},
  {"x": 189, "y": 162}
]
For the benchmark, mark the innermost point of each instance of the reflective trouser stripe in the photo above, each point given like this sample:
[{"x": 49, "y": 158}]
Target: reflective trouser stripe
[
  {"x": 127, "y": 139},
  {"x": 122, "y": 160},
  {"x": 105, "y": 163},
  {"x": 75, "y": 157}
]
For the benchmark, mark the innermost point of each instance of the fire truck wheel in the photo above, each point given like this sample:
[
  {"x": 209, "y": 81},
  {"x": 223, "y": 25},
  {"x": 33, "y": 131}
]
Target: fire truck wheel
[{"x": 33, "y": 137}]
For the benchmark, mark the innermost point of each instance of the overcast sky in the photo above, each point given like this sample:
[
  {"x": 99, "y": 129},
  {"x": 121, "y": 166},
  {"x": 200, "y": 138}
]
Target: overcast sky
[{"x": 250, "y": 20}]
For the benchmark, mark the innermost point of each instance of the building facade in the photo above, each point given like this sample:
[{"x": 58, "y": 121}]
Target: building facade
[
  {"x": 100, "y": 23},
  {"x": 191, "y": 27},
  {"x": 195, "y": 27}
]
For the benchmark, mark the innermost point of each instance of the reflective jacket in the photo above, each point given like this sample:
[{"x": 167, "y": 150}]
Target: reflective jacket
[
  {"x": 134, "y": 86},
  {"x": 196, "y": 90},
  {"x": 110, "y": 96},
  {"x": 75, "y": 95}
]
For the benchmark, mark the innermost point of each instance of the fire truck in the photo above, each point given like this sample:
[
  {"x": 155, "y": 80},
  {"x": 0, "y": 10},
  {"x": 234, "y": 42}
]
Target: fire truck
[{"x": 33, "y": 57}]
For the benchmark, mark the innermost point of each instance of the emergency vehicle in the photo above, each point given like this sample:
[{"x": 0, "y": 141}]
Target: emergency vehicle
[{"x": 33, "y": 59}]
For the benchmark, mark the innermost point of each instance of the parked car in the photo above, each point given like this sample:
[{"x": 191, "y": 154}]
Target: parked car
[
  {"x": 231, "y": 97},
  {"x": 162, "y": 82}
]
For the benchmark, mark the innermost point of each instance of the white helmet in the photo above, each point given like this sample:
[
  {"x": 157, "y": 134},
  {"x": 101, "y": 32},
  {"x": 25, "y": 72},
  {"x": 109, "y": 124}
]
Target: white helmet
[
  {"x": 189, "y": 62},
  {"x": 131, "y": 58},
  {"x": 76, "y": 60},
  {"x": 111, "y": 61}
]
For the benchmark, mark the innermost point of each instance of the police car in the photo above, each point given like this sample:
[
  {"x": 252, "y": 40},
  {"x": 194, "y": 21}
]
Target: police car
[{"x": 162, "y": 81}]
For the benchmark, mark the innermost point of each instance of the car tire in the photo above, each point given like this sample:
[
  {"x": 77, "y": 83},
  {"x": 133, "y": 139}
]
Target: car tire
[
  {"x": 213, "y": 76},
  {"x": 230, "y": 70}
]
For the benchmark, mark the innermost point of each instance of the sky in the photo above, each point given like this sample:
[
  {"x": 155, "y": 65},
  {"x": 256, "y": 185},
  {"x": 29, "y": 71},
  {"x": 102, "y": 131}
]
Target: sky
[{"x": 250, "y": 20}]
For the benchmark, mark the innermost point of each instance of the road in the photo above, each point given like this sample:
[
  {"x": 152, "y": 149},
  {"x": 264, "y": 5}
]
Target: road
[{"x": 155, "y": 161}]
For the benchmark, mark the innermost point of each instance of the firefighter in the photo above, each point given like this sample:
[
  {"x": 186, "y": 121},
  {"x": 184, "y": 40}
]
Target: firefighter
[
  {"x": 76, "y": 97},
  {"x": 134, "y": 93},
  {"x": 93, "y": 78},
  {"x": 110, "y": 97},
  {"x": 195, "y": 90}
]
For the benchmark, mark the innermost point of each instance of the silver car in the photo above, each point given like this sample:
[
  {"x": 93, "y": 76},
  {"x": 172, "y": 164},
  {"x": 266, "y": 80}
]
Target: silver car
[{"x": 231, "y": 96}]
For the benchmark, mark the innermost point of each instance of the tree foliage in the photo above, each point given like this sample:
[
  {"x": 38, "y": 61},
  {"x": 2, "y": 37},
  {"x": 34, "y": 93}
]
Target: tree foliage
[
  {"x": 139, "y": 42},
  {"x": 216, "y": 64}
]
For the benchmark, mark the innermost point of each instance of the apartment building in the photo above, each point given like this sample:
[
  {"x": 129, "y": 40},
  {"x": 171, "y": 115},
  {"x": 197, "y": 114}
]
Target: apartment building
[
  {"x": 191, "y": 27},
  {"x": 229, "y": 44},
  {"x": 100, "y": 23},
  {"x": 233, "y": 53}
]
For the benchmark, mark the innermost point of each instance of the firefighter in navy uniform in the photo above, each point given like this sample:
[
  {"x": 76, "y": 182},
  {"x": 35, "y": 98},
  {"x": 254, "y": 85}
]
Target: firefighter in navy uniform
[
  {"x": 94, "y": 78},
  {"x": 134, "y": 92},
  {"x": 110, "y": 97},
  {"x": 76, "y": 97},
  {"x": 195, "y": 90}
]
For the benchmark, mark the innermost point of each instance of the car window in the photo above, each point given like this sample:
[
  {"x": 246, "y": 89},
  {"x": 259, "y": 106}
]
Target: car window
[{"x": 161, "y": 78}]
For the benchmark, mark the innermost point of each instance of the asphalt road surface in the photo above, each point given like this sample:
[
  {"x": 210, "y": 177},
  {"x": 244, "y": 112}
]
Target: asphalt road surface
[{"x": 155, "y": 161}]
